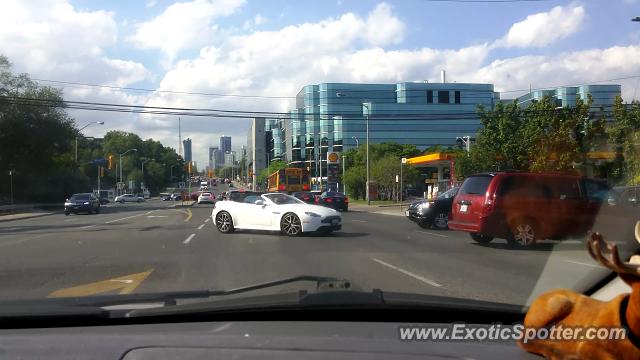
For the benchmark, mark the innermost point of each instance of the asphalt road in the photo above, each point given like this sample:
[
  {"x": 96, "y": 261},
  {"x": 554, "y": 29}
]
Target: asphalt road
[{"x": 150, "y": 247}]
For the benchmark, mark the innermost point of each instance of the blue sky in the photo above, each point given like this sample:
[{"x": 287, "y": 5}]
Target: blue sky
[{"x": 276, "y": 47}]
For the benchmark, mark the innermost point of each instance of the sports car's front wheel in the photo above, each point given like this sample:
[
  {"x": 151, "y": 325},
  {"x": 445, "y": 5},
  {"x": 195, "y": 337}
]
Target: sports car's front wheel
[
  {"x": 290, "y": 225},
  {"x": 224, "y": 223}
]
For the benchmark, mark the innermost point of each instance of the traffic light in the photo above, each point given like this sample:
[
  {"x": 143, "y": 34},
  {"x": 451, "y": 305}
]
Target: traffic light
[
  {"x": 189, "y": 167},
  {"x": 111, "y": 162},
  {"x": 101, "y": 171}
]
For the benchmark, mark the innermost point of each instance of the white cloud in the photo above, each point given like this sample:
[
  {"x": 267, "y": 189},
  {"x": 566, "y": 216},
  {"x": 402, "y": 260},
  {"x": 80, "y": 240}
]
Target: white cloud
[
  {"x": 257, "y": 20},
  {"x": 542, "y": 29},
  {"x": 383, "y": 28},
  {"x": 151, "y": 3},
  {"x": 51, "y": 39},
  {"x": 183, "y": 25},
  {"x": 567, "y": 68}
]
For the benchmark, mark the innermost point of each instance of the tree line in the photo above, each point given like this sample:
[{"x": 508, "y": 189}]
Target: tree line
[{"x": 37, "y": 147}]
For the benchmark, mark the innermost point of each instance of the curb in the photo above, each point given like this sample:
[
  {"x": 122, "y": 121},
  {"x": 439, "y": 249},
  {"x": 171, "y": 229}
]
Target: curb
[{"x": 28, "y": 217}]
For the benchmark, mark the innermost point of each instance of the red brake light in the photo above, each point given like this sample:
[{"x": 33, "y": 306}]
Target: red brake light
[
  {"x": 282, "y": 187},
  {"x": 346, "y": 199},
  {"x": 305, "y": 187},
  {"x": 329, "y": 200},
  {"x": 306, "y": 197},
  {"x": 487, "y": 207}
]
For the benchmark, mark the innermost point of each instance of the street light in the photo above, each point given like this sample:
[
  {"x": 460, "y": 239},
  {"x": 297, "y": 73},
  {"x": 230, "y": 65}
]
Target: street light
[
  {"x": 368, "y": 107},
  {"x": 466, "y": 140},
  {"x": 121, "y": 155},
  {"x": 82, "y": 128},
  {"x": 356, "y": 139}
]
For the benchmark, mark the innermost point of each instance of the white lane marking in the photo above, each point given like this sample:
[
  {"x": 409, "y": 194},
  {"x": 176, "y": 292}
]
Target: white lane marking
[
  {"x": 585, "y": 264},
  {"x": 207, "y": 220},
  {"x": 200, "y": 227},
  {"x": 408, "y": 273},
  {"x": 188, "y": 240},
  {"x": 157, "y": 216},
  {"x": 430, "y": 233},
  {"x": 359, "y": 220},
  {"x": 88, "y": 226},
  {"x": 124, "y": 218}
]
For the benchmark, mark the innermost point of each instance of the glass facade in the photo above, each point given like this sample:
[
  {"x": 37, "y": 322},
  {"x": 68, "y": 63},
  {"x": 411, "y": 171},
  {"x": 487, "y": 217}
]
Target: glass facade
[
  {"x": 603, "y": 96},
  {"x": 332, "y": 117}
]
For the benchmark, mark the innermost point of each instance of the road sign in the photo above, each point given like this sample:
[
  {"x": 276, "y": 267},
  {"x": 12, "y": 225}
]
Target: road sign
[
  {"x": 397, "y": 178},
  {"x": 404, "y": 160}
]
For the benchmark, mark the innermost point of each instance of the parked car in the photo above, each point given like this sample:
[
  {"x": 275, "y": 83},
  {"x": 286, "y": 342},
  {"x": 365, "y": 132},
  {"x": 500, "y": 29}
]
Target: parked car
[
  {"x": 277, "y": 212},
  {"x": 525, "y": 207},
  {"x": 335, "y": 200},
  {"x": 432, "y": 213},
  {"x": 83, "y": 202},
  {"x": 305, "y": 196},
  {"x": 206, "y": 197},
  {"x": 128, "y": 198}
]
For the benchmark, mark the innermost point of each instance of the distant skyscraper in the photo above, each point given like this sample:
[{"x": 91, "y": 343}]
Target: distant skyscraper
[
  {"x": 186, "y": 144},
  {"x": 225, "y": 144},
  {"x": 213, "y": 153}
]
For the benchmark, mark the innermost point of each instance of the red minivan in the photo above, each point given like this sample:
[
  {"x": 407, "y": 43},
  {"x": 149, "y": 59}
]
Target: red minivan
[{"x": 525, "y": 207}]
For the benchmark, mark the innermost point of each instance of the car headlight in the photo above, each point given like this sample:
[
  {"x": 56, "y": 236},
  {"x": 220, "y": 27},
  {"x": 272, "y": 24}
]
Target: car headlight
[
  {"x": 312, "y": 214},
  {"x": 86, "y": 203},
  {"x": 424, "y": 205},
  {"x": 67, "y": 204}
]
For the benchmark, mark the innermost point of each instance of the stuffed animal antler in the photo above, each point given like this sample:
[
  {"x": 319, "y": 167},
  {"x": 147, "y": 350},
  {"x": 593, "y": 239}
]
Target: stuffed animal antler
[{"x": 572, "y": 310}]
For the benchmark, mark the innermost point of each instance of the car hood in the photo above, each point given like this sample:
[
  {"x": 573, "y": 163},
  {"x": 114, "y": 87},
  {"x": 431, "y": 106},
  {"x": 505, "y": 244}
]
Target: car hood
[{"x": 320, "y": 210}]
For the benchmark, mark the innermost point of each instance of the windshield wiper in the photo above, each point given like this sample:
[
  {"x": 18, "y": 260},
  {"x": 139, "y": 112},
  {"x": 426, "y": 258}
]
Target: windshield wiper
[{"x": 94, "y": 304}]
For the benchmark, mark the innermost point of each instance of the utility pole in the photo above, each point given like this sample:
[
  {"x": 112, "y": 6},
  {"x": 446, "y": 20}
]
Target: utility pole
[
  {"x": 368, "y": 107},
  {"x": 179, "y": 138},
  {"x": 11, "y": 182}
]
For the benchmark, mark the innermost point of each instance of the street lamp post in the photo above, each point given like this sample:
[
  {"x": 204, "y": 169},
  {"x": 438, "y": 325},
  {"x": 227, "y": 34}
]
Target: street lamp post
[
  {"x": 121, "y": 155},
  {"x": 357, "y": 142},
  {"x": 368, "y": 107},
  {"x": 11, "y": 182},
  {"x": 82, "y": 128},
  {"x": 344, "y": 188},
  {"x": 466, "y": 140}
]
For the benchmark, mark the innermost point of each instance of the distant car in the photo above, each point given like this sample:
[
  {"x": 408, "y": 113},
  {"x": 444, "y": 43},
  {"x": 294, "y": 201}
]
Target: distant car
[
  {"x": 165, "y": 196},
  {"x": 230, "y": 185},
  {"x": 276, "y": 212},
  {"x": 206, "y": 197},
  {"x": 335, "y": 200},
  {"x": 104, "y": 201},
  {"x": 433, "y": 213},
  {"x": 128, "y": 198},
  {"x": 83, "y": 202},
  {"x": 175, "y": 197},
  {"x": 305, "y": 196}
]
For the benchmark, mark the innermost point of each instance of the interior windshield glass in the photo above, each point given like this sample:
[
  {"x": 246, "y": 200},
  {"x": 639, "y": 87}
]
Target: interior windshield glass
[{"x": 459, "y": 148}]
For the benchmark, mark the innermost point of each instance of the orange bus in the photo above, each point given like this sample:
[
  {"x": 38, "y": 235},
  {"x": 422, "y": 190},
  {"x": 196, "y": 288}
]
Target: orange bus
[{"x": 289, "y": 180}]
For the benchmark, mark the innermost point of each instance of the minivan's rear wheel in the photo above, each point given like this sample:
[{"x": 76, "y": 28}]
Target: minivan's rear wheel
[
  {"x": 523, "y": 233},
  {"x": 224, "y": 223},
  {"x": 290, "y": 224},
  {"x": 441, "y": 221},
  {"x": 482, "y": 239}
]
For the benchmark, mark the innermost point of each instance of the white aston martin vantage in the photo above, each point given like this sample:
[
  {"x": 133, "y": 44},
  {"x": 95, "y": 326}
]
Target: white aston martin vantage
[{"x": 277, "y": 212}]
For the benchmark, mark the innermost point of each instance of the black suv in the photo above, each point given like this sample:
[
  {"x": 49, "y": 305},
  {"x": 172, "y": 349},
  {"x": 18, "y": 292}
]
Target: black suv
[
  {"x": 84, "y": 202},
  {"x": 432, "y": 213}
]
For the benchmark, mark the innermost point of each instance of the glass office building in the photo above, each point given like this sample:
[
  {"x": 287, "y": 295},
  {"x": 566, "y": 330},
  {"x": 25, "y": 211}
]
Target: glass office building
[
  {"x": 603, "y": 96},
  {"x": 333, "y": 117}
]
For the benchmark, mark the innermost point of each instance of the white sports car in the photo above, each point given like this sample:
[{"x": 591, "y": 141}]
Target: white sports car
[{"x": 275, "y": 211}]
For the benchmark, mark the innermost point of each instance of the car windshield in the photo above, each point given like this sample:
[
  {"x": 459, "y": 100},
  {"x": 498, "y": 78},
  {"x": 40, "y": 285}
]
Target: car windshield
[
  {"x": 467, "y": 149},
  {"x": 80, "y": 197},
  {"x": 282, "y": 199}
]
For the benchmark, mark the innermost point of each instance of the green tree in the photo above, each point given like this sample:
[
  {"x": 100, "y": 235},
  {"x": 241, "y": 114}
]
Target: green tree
[
  {"x": 35, "y": 141},
  {"x": 624, "y": 135}
]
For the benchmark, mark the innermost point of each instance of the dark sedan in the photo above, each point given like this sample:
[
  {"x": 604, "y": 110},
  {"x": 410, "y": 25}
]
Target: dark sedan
[
  {"x": 334, "y": 200},
  {"x": 432, "y": 213},
  {"x": 84, "y": 202},
  {"x": 305, "y": 196}
]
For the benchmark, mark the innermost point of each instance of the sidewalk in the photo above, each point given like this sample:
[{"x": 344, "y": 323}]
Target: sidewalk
[
  {"x": 20, "y": 216},
  {"x": 379, "y": 209}
]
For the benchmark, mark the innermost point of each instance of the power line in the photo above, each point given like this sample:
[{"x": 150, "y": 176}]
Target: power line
[{"x": 334, "y": 89}]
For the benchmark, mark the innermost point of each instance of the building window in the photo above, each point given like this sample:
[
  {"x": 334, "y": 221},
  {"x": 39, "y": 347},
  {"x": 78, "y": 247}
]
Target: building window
[
  {"x": 429, "y": 96},
  {"x": 457, "y": 97},
  {"x": 443, "y": 97}
]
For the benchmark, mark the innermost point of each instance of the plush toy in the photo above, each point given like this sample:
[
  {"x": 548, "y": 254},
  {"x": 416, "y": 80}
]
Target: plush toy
[{"x": 572, "y": 310}]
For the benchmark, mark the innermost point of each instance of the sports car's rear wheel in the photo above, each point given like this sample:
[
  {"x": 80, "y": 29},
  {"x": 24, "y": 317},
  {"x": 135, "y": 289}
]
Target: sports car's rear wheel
[
  {"x": 290, "y": 224},
  {"x": 224, "y": 223}
]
